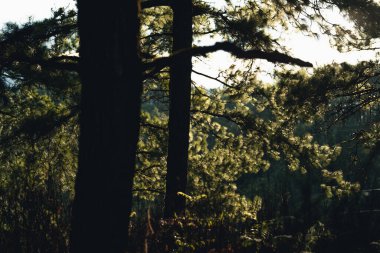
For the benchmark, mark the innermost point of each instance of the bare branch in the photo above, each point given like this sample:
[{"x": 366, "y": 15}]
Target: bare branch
[{"x": 212, "y": 78}]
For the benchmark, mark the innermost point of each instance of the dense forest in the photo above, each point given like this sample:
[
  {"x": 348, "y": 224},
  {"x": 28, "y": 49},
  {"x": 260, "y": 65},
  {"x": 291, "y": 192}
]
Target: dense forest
[{"x": 107, "y": 144}]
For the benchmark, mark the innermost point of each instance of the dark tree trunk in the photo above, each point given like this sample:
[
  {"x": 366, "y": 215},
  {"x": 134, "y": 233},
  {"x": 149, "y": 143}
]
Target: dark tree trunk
[
  {"x": 110, "y": 114},
  {"x": 179, "y": 115}
]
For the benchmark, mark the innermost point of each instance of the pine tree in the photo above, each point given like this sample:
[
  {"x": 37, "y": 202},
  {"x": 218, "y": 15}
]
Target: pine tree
[
  {"x": 179, "y": 110},
  {"x": 110, "y": 72}
]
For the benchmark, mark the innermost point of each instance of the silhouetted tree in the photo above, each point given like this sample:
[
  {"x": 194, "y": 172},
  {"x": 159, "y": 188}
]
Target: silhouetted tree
[
  {"x": 179, "y": 109},
  {"x": 109, "y": 121}
]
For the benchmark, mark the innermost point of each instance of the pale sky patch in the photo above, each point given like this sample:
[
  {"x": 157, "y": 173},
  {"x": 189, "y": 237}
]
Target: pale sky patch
[{"x": 19, "y": 11}]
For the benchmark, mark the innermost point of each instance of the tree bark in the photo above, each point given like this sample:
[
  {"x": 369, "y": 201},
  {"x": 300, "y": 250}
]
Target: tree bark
[
  {"x": 110, "y": 72},
  {"x": 179, "y": 114}
]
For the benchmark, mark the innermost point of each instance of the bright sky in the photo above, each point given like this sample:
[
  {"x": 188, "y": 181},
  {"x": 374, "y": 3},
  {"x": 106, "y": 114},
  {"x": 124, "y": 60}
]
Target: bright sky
[
  {"x": 317, "y": 51},
  {"x": 20, "y": 10}
]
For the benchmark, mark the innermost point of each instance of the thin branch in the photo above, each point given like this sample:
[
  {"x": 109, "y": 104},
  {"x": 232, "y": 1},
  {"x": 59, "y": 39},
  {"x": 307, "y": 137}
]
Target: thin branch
[
  {"x": 52, "y": 63},
  {"x": 146, "y": 124},
  {"x": 155, "y": 3},
  {"x": 66, "y": 57},
  {"x": 148, "y": 168},
  {"x": 156, "y": 35},
  {"x": 212, "y": 78},
  {"x": 148, "y": 190}
]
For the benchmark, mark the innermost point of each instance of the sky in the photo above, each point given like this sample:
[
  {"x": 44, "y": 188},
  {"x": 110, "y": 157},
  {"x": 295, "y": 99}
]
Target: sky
[
  {"x": 316, "y": 51},
  {"x": 20, "y": 10}
]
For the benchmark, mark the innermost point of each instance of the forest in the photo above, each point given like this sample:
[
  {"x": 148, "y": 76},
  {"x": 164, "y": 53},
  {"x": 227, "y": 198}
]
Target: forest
[{"x": 109, "y": 144}]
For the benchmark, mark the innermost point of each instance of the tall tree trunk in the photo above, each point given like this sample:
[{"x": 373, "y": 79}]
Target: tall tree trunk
[
  {"x": 110, "y": 115},
  {"x": 179, "y": 115}
]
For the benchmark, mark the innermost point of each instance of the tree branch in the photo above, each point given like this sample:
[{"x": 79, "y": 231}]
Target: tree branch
[
  {"x": 197, "y": 9},
  {"x": 212, "y": 78},
  {"x": 274, "y": 56},
  {"x": 155, "y": 3},
  {"x": 49, "y": 63},
  {"x": 148, "y": 190}
]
